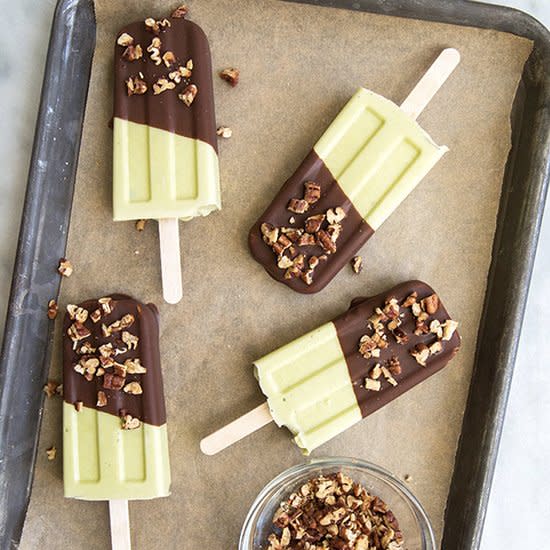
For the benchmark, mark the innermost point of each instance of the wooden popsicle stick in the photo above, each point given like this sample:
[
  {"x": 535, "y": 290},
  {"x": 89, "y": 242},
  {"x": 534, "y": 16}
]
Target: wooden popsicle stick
[
  {"x": 430, "y": 83},
  {"x": 120, "y": 525},
  {"x": 236, "y": 430},
  {"x": 170, "y": 260}
]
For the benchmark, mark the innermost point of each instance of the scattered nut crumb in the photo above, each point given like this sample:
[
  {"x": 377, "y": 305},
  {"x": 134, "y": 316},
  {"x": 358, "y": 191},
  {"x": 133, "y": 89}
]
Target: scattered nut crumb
[
  {"x": 52, "y": 309},
  {"x": 230, "y": 75},
  {"x": 51, "y": 453},
  {"x": 224, "y": 132},
  {"x": 65, "y": 267},
  {"x": 181, "y": 12},
  {"x": 140, "y": 225},
  {"x": 169, "y": 58},
  {"x": 357, "y": 264},
  {"x": 51, "y": 388},
  {"x": 373, "y": 385},
  {"x": 78, "y": 405},
  {"x": 407, "y": 477}
]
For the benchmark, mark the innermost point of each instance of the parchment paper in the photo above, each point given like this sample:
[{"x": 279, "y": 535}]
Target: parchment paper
[{"x": 299, "y": 65}]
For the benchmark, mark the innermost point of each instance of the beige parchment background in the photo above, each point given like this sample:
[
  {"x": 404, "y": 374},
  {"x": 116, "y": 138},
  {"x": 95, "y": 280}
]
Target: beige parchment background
[{"x": 299, "y": 65}]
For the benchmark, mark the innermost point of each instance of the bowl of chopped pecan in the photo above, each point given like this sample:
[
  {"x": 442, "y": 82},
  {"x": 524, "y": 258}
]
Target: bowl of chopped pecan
[{"x": 336, "y": 503}]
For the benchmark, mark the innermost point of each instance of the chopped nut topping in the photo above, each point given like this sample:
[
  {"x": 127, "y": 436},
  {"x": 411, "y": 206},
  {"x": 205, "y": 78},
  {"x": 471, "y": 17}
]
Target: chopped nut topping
[
  {"x": 313, "y": 223},
  {"x": 134, "y": 388},
  {"x": 135, "y": 85},
  {"x": 101, "y": 399},
  {"x": 333, "y": 512},
  {"x": 129, "y": 422},
  {"x": 189, "y": 64},
  {"x": 435, "y": 328},
  {"x": 420, "y": 352},
  {"x": 188, "y": 95},
  {"x": 394, "y": 366},
  {"x": 133, "y": 53},
  {"x": 410, "y": 300},
  {"x": 161, "y": 85},
  {"x": 373, "y": 385},
  {"x": 51, "y": 453},
  {"x": 375, "y": 372},
  {"x": 125, "y": 40},
  {"x": 130, "y": 340},
  {"x": 180, "y": 13},
  {"x": 134, "y": 366},
  {"x": 270, "y": 233},
  {"x": 107, "y": 305},
  {"x": 298, "y": 206},
  {"x": 312, "y": 192},
  {"x": 52, "y": 309},
  {"x": 77, "y": 332},
  {"x": 436, "y": 347},
  {"x": 106, "y": 350},
  {"x": 336, "y": 215},
  {"x": 306, "y": 240},
  {"x": 113, "y": 381},
  {"x": 77, "y": 313},
  {"x": 95, "y": 316},
  {"x": 324, "y": 240},
  {"x": 430, "y": 304},
  {"x": 224, "y": 132},
  {"x": 307, "y": 276},
  {"x": 154, "y": 50},
  {"x": 117, "y": 326},
  {"x": 230, "y": 75},
  {"x": 284, "y": 262},
  {"x": 50, "y": 389},
  {"x": 169, "y": 58},
  {"x": 334, "y": 231},
  {"x": 179, "y": 73},
  {"x": 86, "y": 349},
  {"x": 416, "y": 309},
  {"x": 65, "y": 267},
  {"x": 78, "y": 405},
  {"x": 449, "y": 327},
  {"x": 388, "y": 376},
  {"x": 357, "y": 264}
]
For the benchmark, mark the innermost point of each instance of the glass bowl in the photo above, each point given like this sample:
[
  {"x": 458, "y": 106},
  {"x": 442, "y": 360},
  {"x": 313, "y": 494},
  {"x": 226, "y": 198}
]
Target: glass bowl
[{"x": 413, "y": 521}]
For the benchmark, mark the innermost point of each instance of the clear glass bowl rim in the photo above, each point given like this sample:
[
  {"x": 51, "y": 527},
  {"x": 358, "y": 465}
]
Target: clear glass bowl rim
[{"x": 337, "y": 462}]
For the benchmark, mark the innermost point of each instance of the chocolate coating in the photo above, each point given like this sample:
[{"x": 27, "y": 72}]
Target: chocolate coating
[
  {"x": 352, "y": 325},
  {"x": 355, "y": 230},
  {"x": 166, "y": 111},
  {"x": 149, "y": 407}
]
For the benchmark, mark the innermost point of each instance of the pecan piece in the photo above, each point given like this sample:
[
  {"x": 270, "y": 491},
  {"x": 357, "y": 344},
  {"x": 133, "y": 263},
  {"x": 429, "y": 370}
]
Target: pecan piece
[
  {"x": 324, "y": 240},
  {"x": 298, "y": 206},
  {"x": 430, "y": 304},
  {"x": 313, "y": 223},
  {"x": 188, "y": 95},
  {"x": 357, "y": 264},
  {"x": 65, "y": 267},
  {"x": 52, "y": 309},
  {"x": 180, "y": 13},
  {"x": 312, "y": 192},
  {"x": 230, "y": 75}
]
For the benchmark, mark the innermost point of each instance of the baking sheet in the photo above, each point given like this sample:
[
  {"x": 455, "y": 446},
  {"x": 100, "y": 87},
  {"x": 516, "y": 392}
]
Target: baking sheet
[{"x": 297, "y": 72}]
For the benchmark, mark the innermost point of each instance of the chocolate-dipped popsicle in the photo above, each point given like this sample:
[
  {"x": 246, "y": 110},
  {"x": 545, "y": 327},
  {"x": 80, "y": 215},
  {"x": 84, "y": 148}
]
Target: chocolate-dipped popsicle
[
  {"x": 165, "y": 161},
  {"x": 115, "y": 443},
  {"x": 366, "y": 163},
  {"x": 327, "y": 380}
]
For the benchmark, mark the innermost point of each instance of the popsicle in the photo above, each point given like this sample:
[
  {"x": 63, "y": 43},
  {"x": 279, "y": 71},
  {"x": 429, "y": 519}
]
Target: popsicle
[
  {"x": 366, "y": 163},
  {"x": 329, "y": 379},
  {"x": 115, "y": 444},
  {"x": 165, "y": 161}
]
